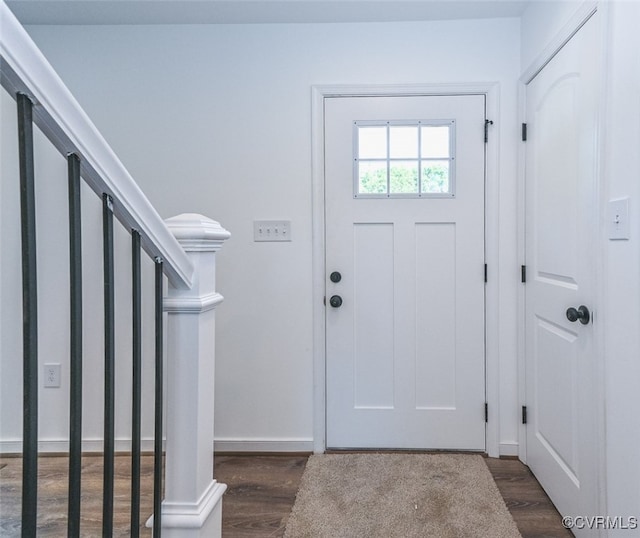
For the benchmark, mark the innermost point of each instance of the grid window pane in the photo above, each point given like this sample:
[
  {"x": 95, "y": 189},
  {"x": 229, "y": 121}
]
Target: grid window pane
[
  {"x": 403, "y": 142},
  {"x": 372, "y": 177},
  {"x": 372, "y": 142},
  {"x": 435, "y": 141},
  {"x": 403, "y": 177},
  {"x": 435, "y": 177},
  {"x": 405, "y": 159}
]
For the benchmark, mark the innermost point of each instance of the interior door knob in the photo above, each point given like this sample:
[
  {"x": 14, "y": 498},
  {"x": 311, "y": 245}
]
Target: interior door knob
[
  {"x": 335, "y": 301},
  {"x": 581, "y": 313}
]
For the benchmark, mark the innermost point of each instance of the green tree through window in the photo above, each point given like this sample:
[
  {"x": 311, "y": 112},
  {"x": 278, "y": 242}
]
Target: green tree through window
[{"x": 404, "y": 179}]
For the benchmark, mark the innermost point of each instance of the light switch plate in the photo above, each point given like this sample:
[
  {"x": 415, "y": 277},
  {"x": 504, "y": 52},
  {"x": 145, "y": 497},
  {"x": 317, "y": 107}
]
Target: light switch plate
[
  {"x": 618, "y": 219},
  {"x": 272, "y": 230}
]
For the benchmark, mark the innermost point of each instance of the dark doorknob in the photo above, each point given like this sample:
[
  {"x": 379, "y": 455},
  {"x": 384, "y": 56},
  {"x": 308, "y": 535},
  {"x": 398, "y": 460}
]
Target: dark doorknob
[
  {"x": 335, "y": 277},
  {"x": 581, "y": 313},
  {"x": 335, "y": 301}
]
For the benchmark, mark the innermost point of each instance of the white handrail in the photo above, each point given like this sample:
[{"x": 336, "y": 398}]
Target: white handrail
[{"x": 23, "y": 68}]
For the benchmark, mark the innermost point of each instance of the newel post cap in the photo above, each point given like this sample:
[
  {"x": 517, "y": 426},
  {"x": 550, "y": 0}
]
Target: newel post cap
[{"x": 197, "y": 233}]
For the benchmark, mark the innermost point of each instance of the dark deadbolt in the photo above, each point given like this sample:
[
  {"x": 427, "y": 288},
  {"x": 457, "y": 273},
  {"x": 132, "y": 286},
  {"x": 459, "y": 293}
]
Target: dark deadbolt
[
  {"x": 581, "y": 313},
  {"x": 335, "y": 301},
  {"x": 335, "y": 277}
]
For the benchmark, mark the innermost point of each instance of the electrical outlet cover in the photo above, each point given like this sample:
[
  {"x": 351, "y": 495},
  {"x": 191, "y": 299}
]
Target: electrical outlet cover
[{"x": 51, "y": 376}]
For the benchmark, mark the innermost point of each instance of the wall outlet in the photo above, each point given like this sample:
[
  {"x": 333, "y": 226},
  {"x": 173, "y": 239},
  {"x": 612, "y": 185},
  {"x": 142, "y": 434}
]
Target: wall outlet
[
  {"x": 52, "y": 376},
  {"x": 272, "y": 230}
]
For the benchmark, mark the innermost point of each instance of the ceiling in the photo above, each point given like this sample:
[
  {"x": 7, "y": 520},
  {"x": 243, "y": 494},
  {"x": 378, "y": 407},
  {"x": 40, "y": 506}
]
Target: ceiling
[{"x": 256, "y": 11}]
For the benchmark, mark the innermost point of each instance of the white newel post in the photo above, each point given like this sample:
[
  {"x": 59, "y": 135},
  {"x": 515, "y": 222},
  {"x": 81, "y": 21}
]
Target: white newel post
[{"x": 192, "y": 505}]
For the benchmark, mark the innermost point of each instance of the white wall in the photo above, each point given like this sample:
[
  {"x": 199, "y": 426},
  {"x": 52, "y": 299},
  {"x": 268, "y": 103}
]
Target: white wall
[
  {"x": 53, "y": 304},
  {"x": 620, "y": 177},
  {"x": 622, "y": 262},
  {"x": 541, "y": 23},
  {"x": 217, "y": 120}
]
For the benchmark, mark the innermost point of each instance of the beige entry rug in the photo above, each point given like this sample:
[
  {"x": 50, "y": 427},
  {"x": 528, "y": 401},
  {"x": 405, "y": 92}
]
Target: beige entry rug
[{"x": 399, "y": 495}]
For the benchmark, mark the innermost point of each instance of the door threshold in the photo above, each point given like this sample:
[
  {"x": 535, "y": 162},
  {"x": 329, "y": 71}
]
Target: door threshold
[{"x": 402, "y": 451}]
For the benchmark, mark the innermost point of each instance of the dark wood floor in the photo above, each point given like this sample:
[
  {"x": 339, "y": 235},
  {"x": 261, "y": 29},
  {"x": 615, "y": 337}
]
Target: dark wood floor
[
  {"x": 52, "y": 496},
  {"x": 261, "y": 492},
  {"x": 529, "y": 505}
]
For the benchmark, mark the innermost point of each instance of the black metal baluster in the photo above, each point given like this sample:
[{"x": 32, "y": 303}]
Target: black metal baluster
[
  {"x": 29, "y": 318},
  {"x": 157, "y": 464},
  {"x": 109, "y": 367},
  {"x": 75, "y": 370},
  {"x": 137, "y": 383}
]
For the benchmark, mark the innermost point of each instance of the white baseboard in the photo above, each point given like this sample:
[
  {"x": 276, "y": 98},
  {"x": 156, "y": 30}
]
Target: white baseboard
[
  {"x": 62, "y": 446},
  {"x": 509, "y": 449},
  {"x": 263, "y": 445},
  {"x": 220, "y": 445},
  {"x": 124, "y": 445}
]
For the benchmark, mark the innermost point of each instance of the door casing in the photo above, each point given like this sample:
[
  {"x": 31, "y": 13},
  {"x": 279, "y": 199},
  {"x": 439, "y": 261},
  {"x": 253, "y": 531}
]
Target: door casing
[{"x": 319, "y": 93}]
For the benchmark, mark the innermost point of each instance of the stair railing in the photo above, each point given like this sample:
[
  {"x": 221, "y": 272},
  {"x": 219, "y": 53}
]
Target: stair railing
[{"x": 182, "y": 248}]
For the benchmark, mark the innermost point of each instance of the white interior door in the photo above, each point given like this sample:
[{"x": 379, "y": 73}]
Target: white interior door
[
  {"x": 404, "y": 201},
  {"x": 561, "y": 220}
]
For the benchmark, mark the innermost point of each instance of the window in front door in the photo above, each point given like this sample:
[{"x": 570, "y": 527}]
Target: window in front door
[{"x": 404, "y": 159}]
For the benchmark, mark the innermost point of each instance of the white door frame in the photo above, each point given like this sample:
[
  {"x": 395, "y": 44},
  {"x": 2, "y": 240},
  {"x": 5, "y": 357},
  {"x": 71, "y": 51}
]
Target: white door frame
[
  {"x": 585, "y": 11},
  {"x": 318, "y": 94}
]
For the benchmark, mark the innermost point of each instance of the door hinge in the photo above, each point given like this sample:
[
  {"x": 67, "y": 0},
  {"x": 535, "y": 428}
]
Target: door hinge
[
  {"x": 523, "y": 273},
  {"x": 524, "y": 414},
  {"x": 524, "y": 132},
  {"x": 486, "y": 130},
  {"x": 486, "y": 412},
  {"x": 486, "y": 274}
]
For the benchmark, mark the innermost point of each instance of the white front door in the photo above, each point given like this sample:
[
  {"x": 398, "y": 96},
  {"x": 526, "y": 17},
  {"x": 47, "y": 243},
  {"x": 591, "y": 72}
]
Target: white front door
[
  {"x": 561, "y": 229},
  {"x": 404, "y": 203}
]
